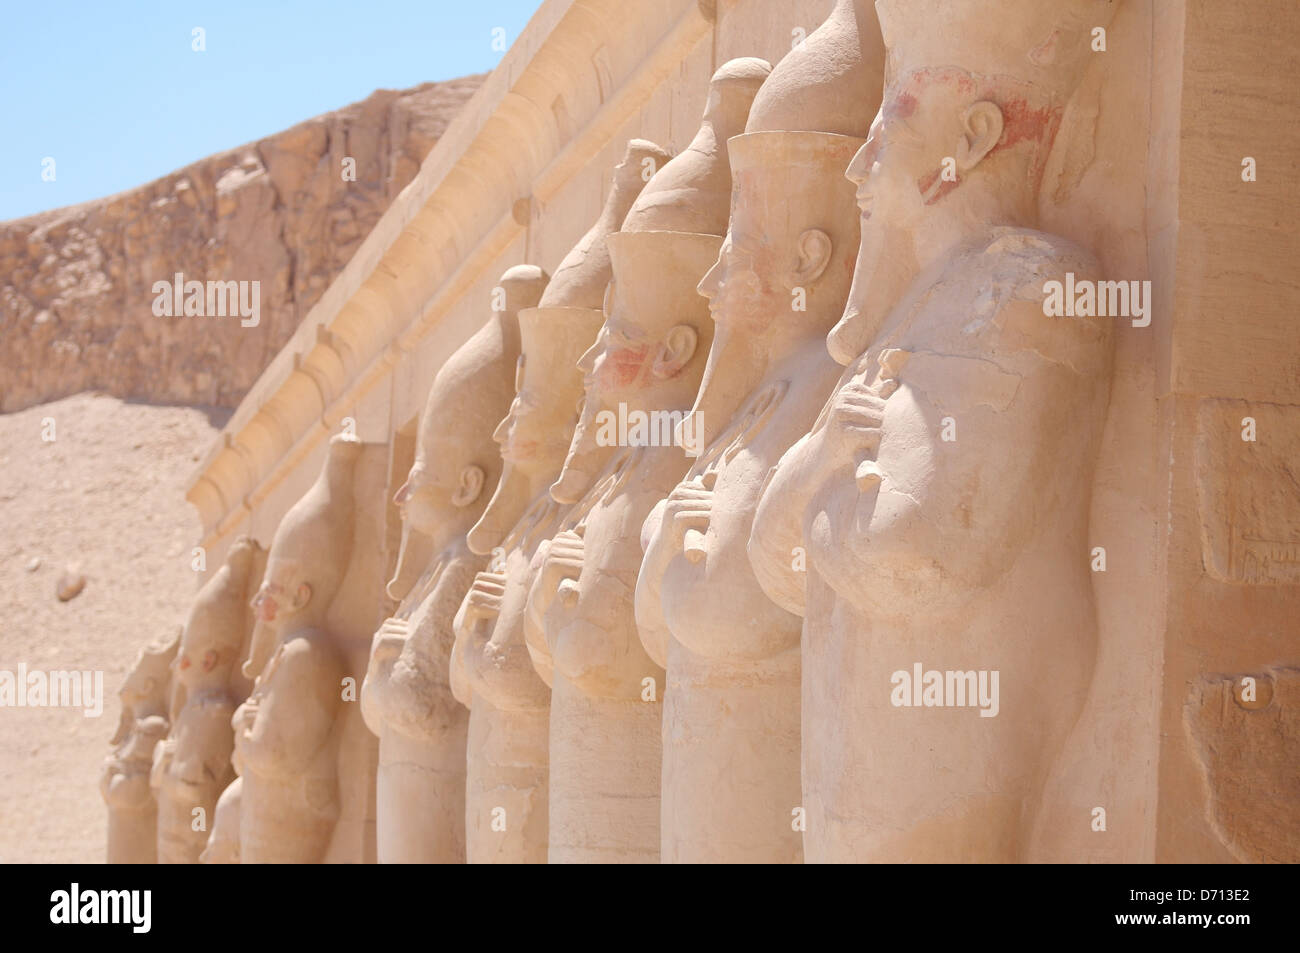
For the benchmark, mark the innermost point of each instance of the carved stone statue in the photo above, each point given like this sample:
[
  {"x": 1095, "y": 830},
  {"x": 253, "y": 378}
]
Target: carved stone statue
[
  {"x": 941, "y": 499},
  {"x": 507, "y": 810},
  {"x": 124, "y": 783},
  {"x": 192, "y": 766},
  {"x": 640, "y": 377},
  {"x": 605, "y": 691},
  {"x": 731, "y": 719},
  {"x": 406, "y": 697},
  {"x": 506, "y": 789},
  {"x": 287, "y": 732},
  {"x": 731, "y": 711}
]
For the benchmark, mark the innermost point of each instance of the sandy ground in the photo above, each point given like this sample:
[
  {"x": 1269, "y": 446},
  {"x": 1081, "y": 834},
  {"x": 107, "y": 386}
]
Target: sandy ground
[{"x": 106, "y": 494}]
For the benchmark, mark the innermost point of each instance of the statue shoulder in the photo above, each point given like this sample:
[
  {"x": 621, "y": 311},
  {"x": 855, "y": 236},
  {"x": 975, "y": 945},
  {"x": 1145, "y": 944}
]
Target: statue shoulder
[
  {"x": 1028, "y": 254},
  {"x": 1006, "y": 283},
  {"x": 307, "y": 652}
]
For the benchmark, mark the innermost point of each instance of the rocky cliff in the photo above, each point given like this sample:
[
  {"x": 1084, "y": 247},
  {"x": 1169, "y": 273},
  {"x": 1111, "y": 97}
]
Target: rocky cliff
[{"x": 78, "y": 306}]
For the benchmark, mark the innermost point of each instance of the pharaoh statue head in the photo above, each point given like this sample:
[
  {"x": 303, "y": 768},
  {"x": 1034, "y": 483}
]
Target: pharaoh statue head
[
  {"x": 522, "y": 287},
  {"x": 655, "y": 333},
  {"x": 786, "y": 261},
  {"x": 218, "y": 627},
  {"x": 535, "y": 434},
  {"x": 309, "y": 555},
  {"x": 145, "y": 719},
  {"x": 957, "y": 149},
  {"x": 456, "y": 460},
  {"x": 146, "y": 691},
  {"x": 590, "y": 259},
  {"x": 656, "y": 329}
]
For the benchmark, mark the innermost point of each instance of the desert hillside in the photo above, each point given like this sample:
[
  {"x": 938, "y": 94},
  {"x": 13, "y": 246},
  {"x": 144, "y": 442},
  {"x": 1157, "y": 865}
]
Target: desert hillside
[
  {"x": 132, "y": 400},
  {"x": 105, "y": 500},
  {"x": 76, "y": 283}
]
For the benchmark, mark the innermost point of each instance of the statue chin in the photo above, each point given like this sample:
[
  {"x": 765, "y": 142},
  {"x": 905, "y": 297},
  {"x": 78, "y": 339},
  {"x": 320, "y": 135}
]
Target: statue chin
[{"x": 571, "y": 485}]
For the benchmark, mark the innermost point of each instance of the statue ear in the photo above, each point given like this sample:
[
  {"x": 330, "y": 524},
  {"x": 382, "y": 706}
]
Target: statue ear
[
  {"x": 302, "y": 595},
  {"x": 676, "y": 351},
  {"x": 814, "y": 254},
  {"x": 983, "y": 124},
  {"x": 471, "y": 485}
]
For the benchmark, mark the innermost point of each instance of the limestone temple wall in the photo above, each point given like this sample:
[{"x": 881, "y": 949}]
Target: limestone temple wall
[{"x": 1200, "y": 531}]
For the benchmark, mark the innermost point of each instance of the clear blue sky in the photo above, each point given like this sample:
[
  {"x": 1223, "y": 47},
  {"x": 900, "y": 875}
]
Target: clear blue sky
[{"x": 113, "y": 91}]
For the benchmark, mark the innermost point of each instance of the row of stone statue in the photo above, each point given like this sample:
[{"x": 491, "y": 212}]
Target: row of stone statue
[{"x": 686, "y": 650}]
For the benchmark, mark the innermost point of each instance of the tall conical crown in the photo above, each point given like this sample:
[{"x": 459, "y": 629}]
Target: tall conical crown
[
  {"x": 580, "y": 278},
  {"x": 316, "y": 533},
  {"x": 831, "y": 82},
  {"x": 219, "y": 618},
  {"x": 692, "y": 193},
  {"x": 1045, "y": 46}
]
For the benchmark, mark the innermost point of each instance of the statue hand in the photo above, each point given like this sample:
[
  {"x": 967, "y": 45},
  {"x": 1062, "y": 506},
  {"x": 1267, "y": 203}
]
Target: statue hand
[
  {"x": 857, "y": 414},
  {"x": 687, "y": 512},
  {"x": 482, "y": 602},
  {"x": 563, "y": 567},
  {"x": 389, "y": 641}
]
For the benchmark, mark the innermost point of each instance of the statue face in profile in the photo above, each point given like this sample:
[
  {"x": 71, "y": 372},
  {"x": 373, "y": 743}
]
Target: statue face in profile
[
  {"x": 617, "y": 363},
  {"x": 629, "y": 355},
  {"x": 740, "y": 287},
  {"x": 765, "y": 261},
  {"x": 934, "y": 128},
  {"x": 438, "y": 485},
  {"x": 531, "y": 435}
]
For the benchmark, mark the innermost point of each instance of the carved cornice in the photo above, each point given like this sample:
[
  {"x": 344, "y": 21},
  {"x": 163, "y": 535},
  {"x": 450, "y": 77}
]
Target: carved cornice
[{"x": 553, "y": 103}]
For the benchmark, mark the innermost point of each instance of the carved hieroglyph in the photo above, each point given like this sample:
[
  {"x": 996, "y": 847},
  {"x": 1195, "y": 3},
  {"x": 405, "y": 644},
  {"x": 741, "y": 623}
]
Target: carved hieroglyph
[
  {"x": 406, "y": 697},
  {"x": 287, "y": 732},
  {"x": 731, "y": 708},
  {"x": 192, "y": 766},
  {"x": 124, "y": 783},
  {"x": 1244, "y": 730},
  {"x": 932, "y": 527},
  {"x": 1248, "y": 488}
]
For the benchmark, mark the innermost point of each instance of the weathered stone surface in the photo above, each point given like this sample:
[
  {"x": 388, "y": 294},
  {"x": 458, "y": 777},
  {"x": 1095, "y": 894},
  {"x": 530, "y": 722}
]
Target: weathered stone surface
[
  {"x": 76, "y": 283},
  {"x": 1243, "y": 731}
]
